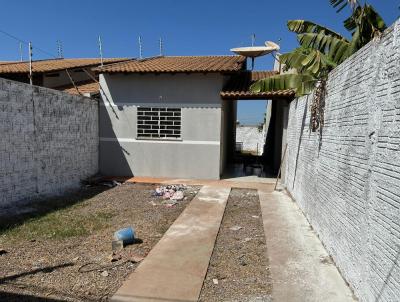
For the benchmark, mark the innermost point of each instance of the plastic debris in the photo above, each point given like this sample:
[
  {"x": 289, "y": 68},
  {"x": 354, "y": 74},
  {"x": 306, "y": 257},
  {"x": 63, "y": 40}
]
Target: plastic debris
[
  {"x": 126, "y": 235},
  {"x": 215, "y": 281},
  {"x": 235, "y": 228},
  {"x": 117, "y": 245},
  {"x": 171, "y": 194}
]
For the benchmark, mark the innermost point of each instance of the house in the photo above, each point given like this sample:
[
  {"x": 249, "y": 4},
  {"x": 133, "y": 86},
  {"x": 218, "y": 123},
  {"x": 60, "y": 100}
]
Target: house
[
  {"x": 70, "y": 75},
  {"x": 176, "y": 116}
]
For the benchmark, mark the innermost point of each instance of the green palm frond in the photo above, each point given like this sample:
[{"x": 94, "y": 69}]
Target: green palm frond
[
  {"x": 326, "y": 44},
  {"x": 303, "y": 26},
  {"x": 341, "y": 4},
  {"x": 300, "y": 83}
]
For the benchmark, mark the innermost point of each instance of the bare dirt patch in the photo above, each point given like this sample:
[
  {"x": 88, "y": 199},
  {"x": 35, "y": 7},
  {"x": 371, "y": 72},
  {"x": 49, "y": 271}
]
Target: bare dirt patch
[
  {"x": 238, "y": 269},
  {"x": 64, "y": 253}
]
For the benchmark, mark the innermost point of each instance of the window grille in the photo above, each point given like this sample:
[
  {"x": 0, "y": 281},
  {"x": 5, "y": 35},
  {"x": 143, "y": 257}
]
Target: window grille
[{"x": 158, "y": 123}]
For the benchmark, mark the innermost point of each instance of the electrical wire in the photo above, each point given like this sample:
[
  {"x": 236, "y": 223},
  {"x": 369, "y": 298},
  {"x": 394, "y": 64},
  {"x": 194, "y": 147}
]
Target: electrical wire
[{"x": 27, "y": 43}]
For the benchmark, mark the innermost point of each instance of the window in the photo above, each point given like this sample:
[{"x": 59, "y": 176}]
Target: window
[{"x": 158, "y": 123}]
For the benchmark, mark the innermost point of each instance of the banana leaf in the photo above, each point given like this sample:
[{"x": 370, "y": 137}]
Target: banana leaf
[{"x": 300, "y": 83}]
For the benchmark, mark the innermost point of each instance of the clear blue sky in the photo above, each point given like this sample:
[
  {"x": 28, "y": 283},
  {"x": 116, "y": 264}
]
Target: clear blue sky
[{"x": 207, "y": 27}]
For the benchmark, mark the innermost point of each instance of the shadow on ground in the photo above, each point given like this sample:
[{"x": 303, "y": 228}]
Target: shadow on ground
[
  {"x": 11, "y": 297},
  {"x": 14, "y": 215}
]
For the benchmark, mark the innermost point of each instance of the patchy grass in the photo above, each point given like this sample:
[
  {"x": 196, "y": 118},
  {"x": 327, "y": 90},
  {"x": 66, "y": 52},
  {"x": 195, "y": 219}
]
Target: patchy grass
[{"x": 60, "y": 224}]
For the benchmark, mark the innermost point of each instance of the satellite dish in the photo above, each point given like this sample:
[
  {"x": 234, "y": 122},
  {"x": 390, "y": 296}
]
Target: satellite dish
[{"x": 256, "y": 51}]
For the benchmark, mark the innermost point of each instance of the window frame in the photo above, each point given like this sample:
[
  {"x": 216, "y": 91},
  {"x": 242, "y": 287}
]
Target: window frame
[{"x": 159, "y": 110}]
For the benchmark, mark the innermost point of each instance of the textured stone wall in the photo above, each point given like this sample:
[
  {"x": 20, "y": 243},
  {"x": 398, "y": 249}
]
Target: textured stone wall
[
  {"x": 48, "y": 141},
  {"x": 252, "y": 138},
  {"x": 346, "y": 178}
]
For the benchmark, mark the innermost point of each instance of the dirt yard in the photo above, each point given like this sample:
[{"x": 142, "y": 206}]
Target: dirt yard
[
  {"x": 238, "y": 269},
  {"x": 62, "y": 251}
]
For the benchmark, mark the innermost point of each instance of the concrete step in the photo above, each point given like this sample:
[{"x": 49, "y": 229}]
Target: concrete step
[
  {"x": 301, "y": 269},
  {"x": 175, "y": 268}
]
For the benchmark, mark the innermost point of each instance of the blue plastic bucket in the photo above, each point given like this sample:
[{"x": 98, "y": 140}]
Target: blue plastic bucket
[{"x": 127, "y": 235}]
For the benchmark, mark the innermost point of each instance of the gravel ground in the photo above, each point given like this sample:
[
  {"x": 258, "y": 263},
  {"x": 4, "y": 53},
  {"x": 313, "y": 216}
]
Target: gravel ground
[
  {"x": 239, "y": 264},
  {"x": 78, "y": 267}
]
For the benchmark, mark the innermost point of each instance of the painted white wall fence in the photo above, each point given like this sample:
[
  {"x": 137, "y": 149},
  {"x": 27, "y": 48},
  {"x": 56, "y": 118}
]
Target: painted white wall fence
[
  {"x": 252, "y": 138},
  {"x": 346, "y": 178},
  {"x": 48, "y": 141}
]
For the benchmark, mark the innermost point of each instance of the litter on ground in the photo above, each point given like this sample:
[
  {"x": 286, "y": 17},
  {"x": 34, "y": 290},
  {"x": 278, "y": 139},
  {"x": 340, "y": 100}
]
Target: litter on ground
[{"x": 172, "y": 194}]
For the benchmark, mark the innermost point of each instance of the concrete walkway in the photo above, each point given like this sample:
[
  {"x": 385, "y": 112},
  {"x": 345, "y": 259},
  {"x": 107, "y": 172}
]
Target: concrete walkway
[
  {"x": 175, "y": 268},
  {"x": 301, "y": 269}
]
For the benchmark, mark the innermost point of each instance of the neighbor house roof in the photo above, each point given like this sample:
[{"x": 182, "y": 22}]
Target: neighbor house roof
[
  {"x": 238, "y": 86},
  {"x": 51, "y": 65},
  {"x": 177, "y": 64},
  {"x": 84, "y": 87}
]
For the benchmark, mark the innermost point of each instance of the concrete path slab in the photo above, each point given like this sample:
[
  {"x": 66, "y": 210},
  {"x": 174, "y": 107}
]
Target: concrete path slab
[
  {"x": 300, "y": 266},
  {"x": 175, "y": 268}
]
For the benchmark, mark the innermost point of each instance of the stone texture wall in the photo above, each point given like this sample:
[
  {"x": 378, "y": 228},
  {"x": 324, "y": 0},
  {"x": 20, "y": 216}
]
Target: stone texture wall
[
  {"x": 346, "y": 178},
  {"x": 252, "y": 138},
  {"x": 48, "y": 141}
]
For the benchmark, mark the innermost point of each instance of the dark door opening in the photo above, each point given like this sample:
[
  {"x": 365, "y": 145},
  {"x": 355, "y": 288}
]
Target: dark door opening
[{"x": 258, "y": 143}]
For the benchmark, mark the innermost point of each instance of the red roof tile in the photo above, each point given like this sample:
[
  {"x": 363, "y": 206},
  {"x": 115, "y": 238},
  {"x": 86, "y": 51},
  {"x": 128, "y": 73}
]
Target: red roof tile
[
  {"x": 177, "y": 64},
  {"x": 51, "y": 65},
  {"x": 238, "y": 86}
]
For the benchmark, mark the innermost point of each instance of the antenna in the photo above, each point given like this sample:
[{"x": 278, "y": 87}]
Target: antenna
[
  {"x": 30, "y": 63},
  {"x": 59, "y": 49},
  {"x": 253, "y": 39},
  {"x": 161, "y": 47},
  {"x": 21, "y": 58},
  {"x": 140, "y": 48},
  {"x": 101, "y": 51}
]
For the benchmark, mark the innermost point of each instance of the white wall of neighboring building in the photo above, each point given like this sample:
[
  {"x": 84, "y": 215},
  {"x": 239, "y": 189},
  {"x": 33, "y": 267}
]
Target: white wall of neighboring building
[{"x": 196, "y": 155}]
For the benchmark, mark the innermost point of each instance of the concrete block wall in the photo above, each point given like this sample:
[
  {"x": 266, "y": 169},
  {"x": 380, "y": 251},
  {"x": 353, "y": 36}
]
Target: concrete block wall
[
  {"x": 346, "y": 178},
  {"x": 48, "y": 141}
]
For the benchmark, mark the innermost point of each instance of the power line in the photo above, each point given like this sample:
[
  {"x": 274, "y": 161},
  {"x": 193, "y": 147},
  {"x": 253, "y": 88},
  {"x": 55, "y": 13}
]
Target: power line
[{"x": 26, "y": 43}]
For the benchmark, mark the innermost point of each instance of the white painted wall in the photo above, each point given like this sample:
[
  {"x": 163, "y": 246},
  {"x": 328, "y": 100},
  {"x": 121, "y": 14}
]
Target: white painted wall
[
  {"x": 346, "y": 179},
  {"x": 197, "y": 155},
  {"x": 49, "y": 141}
]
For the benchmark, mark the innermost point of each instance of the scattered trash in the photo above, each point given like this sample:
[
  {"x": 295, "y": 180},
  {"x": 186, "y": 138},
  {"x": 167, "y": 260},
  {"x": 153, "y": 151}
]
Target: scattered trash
[
  {"x": 99, "y": 180},
  {"x": 215, "y": 281},
  {"x": 235, "y": 228},
  {"x": 110, "y": 184},
  {"x": 3, "y": 251},
  {"x": 255, "y": 216},
  {"x": 117, "y": 245},
  {"x": 173, "y": 193},
  {"x": 104, "y": 273},
  {"x": 127, "y": 235}
]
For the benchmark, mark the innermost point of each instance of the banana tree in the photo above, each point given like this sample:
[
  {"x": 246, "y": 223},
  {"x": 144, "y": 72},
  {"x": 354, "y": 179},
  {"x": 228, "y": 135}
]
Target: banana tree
[{"x": 321, "y": 50}]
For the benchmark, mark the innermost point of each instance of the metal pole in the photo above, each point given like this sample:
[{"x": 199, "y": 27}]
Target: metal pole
[
  {"x": 30, "y": 64},
  {"x": 20, "y": 52},
  {"x": 161, "y": 47},
  {"x": 140, "y": 48},
  {"x": 101, "y": 51}
]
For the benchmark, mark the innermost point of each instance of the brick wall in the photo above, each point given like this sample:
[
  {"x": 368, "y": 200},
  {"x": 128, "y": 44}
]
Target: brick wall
[
  {"x": 346, "y": 179},
  {"x": 48, "y": 141}
]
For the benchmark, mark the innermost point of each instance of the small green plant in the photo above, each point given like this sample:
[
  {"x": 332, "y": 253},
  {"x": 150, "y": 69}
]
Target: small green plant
[{"x": 60, "y": 224}]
